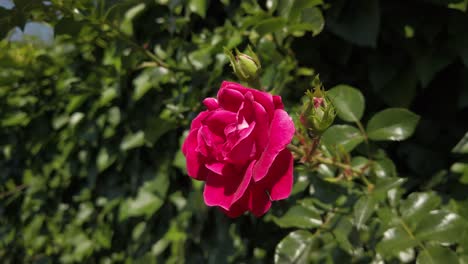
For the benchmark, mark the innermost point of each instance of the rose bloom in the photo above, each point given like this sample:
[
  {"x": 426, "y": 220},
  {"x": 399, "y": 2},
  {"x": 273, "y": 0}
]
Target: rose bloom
[{"x": 239, "y": 148}]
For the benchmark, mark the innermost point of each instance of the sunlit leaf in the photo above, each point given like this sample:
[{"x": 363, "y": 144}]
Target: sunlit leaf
[
  {"x": 363, "y": 209},
  {"x": 392, "y": 124},
  {"x": 436, "y": 254},
  {"x": 294, "y": 248},
  {"x": 418, "y": 205},
  {"x": 441, "y": 226},
  {"x": 348, "y": 102},
  {"x": 342, "y": 137},
  {"x": 300, "y": 216}
]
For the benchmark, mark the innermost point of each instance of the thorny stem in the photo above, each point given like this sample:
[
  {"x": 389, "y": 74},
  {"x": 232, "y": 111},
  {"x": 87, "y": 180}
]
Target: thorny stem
[
  {"x": 338, "y": 164},
  {"x": 363, "y": 131},
  {"x": 345, "y": 167},
  {"x": 364, "y": 134}
]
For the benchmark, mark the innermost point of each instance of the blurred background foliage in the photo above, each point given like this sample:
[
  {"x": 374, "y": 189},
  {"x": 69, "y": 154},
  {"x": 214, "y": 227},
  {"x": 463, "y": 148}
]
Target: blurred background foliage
[{"x": 94, "y": 108}]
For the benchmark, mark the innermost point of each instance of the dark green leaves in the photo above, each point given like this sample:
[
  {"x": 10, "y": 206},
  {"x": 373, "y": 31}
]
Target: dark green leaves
[
  {"x": 130, "y": 15},
  {"x": 149, "y": 199},
  {"x": 395, "y": 240},
  {"x": 199, "y": 7},
  {"x": 270, "y": 25},
  {"x": 133, "y": 140},
  {"x": 462, "y": 145},
  {"x": 422, "y": 222},
  {"x": 442, "y": 226},
  {"x": 392, "y": 124},
  {"x": 294, "y": 248},
  {"x": 358, "y": 23},
  {"x": 436, "y": 254},
  {"x": 417, "y": 205},
  {"x": 303, "y": 215},
  {"x": 92, "y": 126},
  {"x": 342, "y": 137},
  {"x": 348, "y": 101},
  {"x": 363, "y": 209}
]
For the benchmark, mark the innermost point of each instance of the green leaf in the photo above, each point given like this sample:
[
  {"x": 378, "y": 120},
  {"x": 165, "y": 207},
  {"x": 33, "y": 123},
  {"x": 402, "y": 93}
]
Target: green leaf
[
  {"x": 359, "y": 163},
  {"x": 432, "y": 62},
  {"x": 301, "y": 181},
  {"x": 104, "y": 159},
  {"x": 299, "y": 6},
  {"x": 270, "y": 25},
  {"x": 144, "y": 204},
  {"x": 132, "y": 13},
  {"x": 149, "y": 199},
  {"x": 383, "y": 185},
  {"x": 462, "y": 145},
  {"x": 198, "y": 6},
  {"x": 348, "y": 102},
  {"x": 358, "y": 24},
  {"x": 417, "y": 206},
  {"x": 341, "y": 231},
  {"x": 138, "y": 230},
  {"x": 384, "y": 168},
  {"x": 363, "y": 209},
  {"x": 395, "y": 240},
  {"x": 312, "y": 20},
  {"x": 148, "y": 79},
  {"x": 442, "y": 226},
  {"x": 131, "y": 141},
  {"x": 342, "y": 136},
  {"x": 18, "y": 118},
  {"x": 435, "y": 254},
  {"x": 392, "y": 124},
  {"x": 300, "y": 216},
  {"x": 294, "y": 248}
]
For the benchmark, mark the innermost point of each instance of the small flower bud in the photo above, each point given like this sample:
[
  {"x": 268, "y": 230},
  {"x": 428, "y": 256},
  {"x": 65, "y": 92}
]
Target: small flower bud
[
  {"x": 318, "y": 112},
  {"x": 246, "y": 67}
]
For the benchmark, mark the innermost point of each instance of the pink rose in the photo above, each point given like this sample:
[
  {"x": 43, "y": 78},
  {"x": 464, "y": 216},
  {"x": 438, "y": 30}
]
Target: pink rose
[{"x": 239, "y": 148}]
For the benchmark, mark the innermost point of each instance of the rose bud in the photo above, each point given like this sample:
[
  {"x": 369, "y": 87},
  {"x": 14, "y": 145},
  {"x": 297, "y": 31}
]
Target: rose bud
[
  {"x": 247, "y": 68},
  {"x": 318, "y": 112},
  {"x": 238, "y": 146}
]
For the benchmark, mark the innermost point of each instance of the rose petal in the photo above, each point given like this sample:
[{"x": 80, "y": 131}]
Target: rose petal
[
  {"x": 195, "y": 167},
  {"x": 279, "y": 180},
  {"x": 201, "y": 143},
  {"x": 197, "y": 121},
  {"x": 259, "y": 202},
  {"x": 224, "y": 190},
  {"x": 211, "y": 103},
  {"x": 278, "y": 102},
  {"x": 241, "y": 152},
  {"x": 216, "y": 167},
  {"x": 238, "y": 208},
  {"x": 235, "y": 86},
  {"x": 218, "y": 120},
  {"x": 281, "y": 133},
  {"x": 242, "y": 148},
  {"x": 245, "y": 113},
  {"x": 277, "y": 185},
  {"x": 262, "y": 121},
  {"x": 264, "y": 98},
  {"x": 230, "y": 99}
]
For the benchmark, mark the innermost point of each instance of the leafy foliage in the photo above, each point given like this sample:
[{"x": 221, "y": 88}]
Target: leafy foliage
[{"x": 91, "y": 126}]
